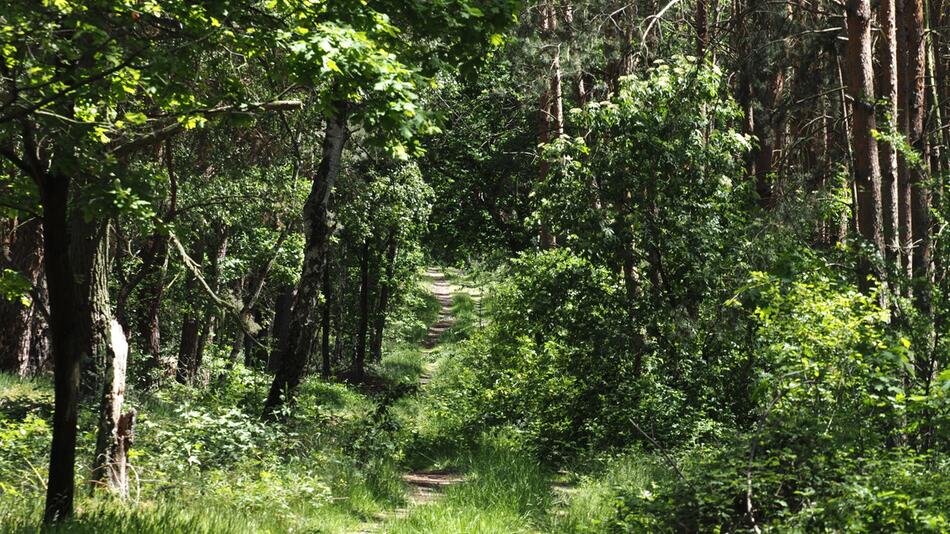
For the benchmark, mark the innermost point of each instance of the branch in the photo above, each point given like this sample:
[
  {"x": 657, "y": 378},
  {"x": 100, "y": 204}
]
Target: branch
[
  {"x": 169, "y": 130},
  {"x": 228, "y": 307},
  {"x": 653, "y": 19}
]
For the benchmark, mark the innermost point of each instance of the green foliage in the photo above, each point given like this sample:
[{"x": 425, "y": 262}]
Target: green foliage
[
  {"x": 19, "y": 441},
  {"x": 466, "y": 317},
  {"x": 555, "y": 339},
  {"x": 203, "y": 461},
  {"x": 420, "y": 308},
  {"x": 13, "y": 286},
  {"x": 400, "y": 367},
  {"x": 660, "y": 161}
]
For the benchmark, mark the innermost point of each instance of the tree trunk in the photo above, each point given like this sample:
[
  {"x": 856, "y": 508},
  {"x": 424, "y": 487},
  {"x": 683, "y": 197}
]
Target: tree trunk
[
  {"x": 701, "y": 27},
  {"x": 359, "y": 357},
  {"x": 90, "y": 262},
  {"x": 63, "y": 301},
  {"x": 190, "y": 326},
  {"x": 550, "y": 109},
  {"x": 867, "y": 169},
  {"x": 382, "y": 304},
  {"x": 338, "y": 326},
  {"x": 150, "y": 300},
  {"x": 903, "y": 124},
  {"x": 293, "y": 362},
  {"x": 281, "y": 326},
  {"x": 922, "y": 269},
  {"x": 102, "y": 344},
  {"x": 326, "y": 368},
  {"x": 40, "y": 352},
  {"x": 24, "y": 255},
  {"x": 889, "y": 173},
  {"x": 115, "y": 435},
  {"x": 766, "y": 127}
]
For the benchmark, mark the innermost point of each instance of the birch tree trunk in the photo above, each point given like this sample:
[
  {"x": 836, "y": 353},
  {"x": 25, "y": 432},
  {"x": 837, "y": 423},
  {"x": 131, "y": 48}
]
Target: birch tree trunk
[{"x": 293, "y": 361}]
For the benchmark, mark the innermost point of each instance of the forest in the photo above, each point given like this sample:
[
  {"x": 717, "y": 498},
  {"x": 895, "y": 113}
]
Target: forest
[{"x": 474, "y": 266}]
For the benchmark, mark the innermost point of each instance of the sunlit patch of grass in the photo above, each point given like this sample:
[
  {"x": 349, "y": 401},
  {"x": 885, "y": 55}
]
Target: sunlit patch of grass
[
  {"x": 587, "y": 504},
  {"x": 466, "y": 314},
  {"x": 108, "y": 516},
  {"x": 402, "y": 365},
  {"x": 333, "y": 399},
  {"x": 505, "y": 491},
  {"x": 20, "y": 397},
  {"x": 422, "y": 310}
]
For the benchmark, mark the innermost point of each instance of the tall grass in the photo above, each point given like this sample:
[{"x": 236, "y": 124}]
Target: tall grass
[
  {"x": 400, "y": 366},
  {"x": 586, "y": 505},
  {"x": 505, "y": 491}
]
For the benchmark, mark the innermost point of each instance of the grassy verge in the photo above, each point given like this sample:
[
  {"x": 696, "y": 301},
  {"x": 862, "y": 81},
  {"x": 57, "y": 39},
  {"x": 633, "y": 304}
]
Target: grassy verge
[
  {"x": 505, "y": 491},
  {"x": 204, "y": 462}
]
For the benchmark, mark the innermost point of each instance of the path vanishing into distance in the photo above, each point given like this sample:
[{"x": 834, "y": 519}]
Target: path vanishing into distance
[{"x": 426, "y": 487}]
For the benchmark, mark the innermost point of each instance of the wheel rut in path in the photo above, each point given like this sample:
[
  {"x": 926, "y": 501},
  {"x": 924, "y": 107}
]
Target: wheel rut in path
[{"x": 425, "y": 486}]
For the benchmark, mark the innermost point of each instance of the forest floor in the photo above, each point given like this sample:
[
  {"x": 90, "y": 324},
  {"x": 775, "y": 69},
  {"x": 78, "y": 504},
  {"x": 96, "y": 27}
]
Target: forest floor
[{"x": 396, "y": 455}]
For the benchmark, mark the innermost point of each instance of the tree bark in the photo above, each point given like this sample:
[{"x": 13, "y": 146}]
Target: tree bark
[
  {"x": 317, "y": 232},
  {"x": 326, "y": 368},
  {"x": 281, "y": 326},
  {"x": 702, "y": 28},
  {"x": 150, "y": 300},
  {"x": 550, "y": 112},
  {"x": 889, "y": 172},
  {"x": 867, "y": 169},
  {"x": 40, "y": 352},
  {"x": 922, "y": 267},
  {"x": 903, "y": 123},
  {"x": 212, "y": 314},
  {"x": 190, "y": 326},
  {"x": 23, "y": 253},
  {"x": 338, "y": 323},
  {"x": 90, "y": 262},
  {"x": 110, "y": 464},
  {"x": 359, "y": 355},
  {"x": 103, "y": 347},
  {"x": 63, "y": 300}
]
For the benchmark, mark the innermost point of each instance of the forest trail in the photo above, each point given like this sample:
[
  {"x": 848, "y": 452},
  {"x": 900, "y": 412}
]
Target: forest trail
[
  {"x": 425, "y": 487},
  {"x": 442, "y": 289}
]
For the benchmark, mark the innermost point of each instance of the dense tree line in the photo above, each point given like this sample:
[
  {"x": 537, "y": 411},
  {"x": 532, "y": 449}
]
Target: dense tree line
[{"x": 726, "y": 220}]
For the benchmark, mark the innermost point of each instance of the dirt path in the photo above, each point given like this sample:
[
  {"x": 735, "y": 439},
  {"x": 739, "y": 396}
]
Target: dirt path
[
  {"x": 442, "y": 290},
  {"x": 425, "y": 487}
]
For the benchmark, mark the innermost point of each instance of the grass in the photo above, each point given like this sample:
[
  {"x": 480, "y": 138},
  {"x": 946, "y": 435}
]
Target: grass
[
  {"x": 206, "y": 463},
  {"x": 586, "y": 504},
  {"x": 103, "y": 517},
  {"x": 400, "y": 366},
  {"x": 506, "y": 491},
  {"x": 422, "y": 310}
]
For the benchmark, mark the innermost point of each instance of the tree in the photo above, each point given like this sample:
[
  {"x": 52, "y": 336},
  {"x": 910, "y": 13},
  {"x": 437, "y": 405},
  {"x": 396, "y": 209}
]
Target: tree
[
  {"x": 889, "y": 153},
  {"x": 867, "y": 170}
]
